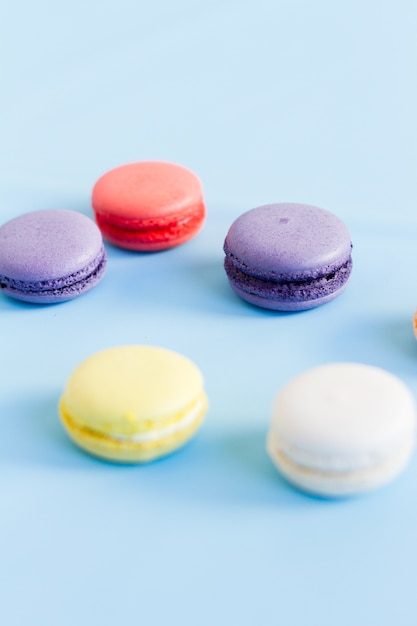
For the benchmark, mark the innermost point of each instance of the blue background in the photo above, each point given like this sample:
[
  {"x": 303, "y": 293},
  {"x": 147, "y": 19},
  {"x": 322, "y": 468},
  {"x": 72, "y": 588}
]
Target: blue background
[{"x": 266, "y": 101}]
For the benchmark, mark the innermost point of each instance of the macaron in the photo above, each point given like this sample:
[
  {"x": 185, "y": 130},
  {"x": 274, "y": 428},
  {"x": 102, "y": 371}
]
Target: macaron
[
  {"x": 149, "y": 206},
  {"x": 342, "y": 429},
  {"x": 133, "y": 404},
  {"x": 50, "y": 256},
  {"x": 288, "y": 257}
]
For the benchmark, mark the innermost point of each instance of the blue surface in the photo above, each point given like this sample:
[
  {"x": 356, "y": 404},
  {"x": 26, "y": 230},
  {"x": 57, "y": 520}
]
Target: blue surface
[{"x": 270, "y": 101}]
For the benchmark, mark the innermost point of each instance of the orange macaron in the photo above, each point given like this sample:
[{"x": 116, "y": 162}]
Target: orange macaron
[{"x": 149, "y": 205}]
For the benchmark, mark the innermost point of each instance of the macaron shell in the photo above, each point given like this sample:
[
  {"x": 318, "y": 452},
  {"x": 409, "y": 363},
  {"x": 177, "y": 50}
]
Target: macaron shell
[
  {"x": 288, "y": 241},
  {"x": 129, "y": 389},
  {"x": 146, "y": 190},
  {"x": 344, "y": 410},
  {"x": 48, "y": 245}
]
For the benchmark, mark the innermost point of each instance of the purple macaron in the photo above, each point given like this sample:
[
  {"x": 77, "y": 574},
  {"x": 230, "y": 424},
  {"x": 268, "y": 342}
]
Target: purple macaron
[
  {"x": 288, "y": 257},
  {"x": 50, "y": 256}
]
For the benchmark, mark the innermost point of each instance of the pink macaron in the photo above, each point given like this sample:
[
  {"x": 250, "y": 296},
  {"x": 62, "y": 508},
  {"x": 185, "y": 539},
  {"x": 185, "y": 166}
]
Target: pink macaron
[{"x": 149, "y": 206}]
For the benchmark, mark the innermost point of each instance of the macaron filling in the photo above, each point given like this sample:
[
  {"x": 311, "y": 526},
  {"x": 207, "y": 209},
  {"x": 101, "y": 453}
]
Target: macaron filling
[
  {"x": 329, "y": 476},
  {"x": 72, "y": 284},
  {"x": 191, "y": 417},
  {"x": 151, "y": 230},
  {"x": 337, "y": 463},
  {"x": 179, "y": 425},
  {"x": 283, "y": 288}
]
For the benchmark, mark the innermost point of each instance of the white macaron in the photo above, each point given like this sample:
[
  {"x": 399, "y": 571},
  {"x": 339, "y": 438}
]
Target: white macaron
[{"x": 342, "y": 428}]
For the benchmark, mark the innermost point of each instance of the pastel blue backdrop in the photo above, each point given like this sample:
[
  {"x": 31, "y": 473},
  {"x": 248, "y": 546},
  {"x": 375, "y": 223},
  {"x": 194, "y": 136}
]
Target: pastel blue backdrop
[{"x": 266, "y": 101}]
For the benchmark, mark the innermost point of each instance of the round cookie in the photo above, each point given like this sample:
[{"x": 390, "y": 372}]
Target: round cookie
[
  {"x": 133, "y": 403},
  {"x": 50, "y": 256},
  {"x": 149, "y": 206},
  {"x": 342, "y": 428},
  {"x": 288, "y": 257}
]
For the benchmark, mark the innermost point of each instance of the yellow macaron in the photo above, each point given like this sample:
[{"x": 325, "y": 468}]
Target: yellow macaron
[{"x": 134, "y": 403}]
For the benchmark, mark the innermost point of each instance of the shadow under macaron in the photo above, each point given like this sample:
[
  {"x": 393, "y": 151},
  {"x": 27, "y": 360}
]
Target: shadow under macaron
[
  {"x": 7, "y": 303},
  {"x": 222, "y": 471}
]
